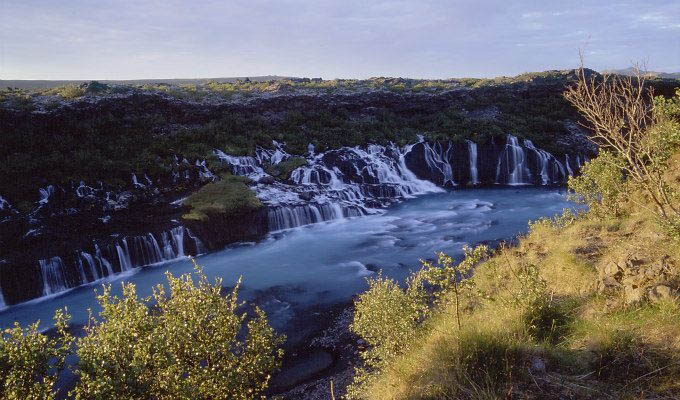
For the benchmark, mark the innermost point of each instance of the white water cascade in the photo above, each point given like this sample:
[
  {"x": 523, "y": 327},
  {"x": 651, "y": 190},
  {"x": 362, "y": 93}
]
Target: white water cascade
[
  {"x": 472, "y": 153},
  {"x": 53, "y": 278},
  {"x": 128, "y": 252},
  {"x": 336, "y": 184},
  {"x": 512, "y": 163}
]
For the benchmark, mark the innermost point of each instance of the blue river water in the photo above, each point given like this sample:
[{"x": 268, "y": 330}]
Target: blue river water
[{"x": 328, "y": 263}]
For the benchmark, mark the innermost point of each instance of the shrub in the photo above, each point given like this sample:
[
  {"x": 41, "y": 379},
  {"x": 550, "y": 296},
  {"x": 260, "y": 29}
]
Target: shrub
[
  {"x": 601, "y": 186},
  {"x": 30, "y": 361},
  {"x": 387, "y": 317},
  {"x": 194, "y": 344},
  {"x": 641, "y": 133},
  {"x": 71, "y": 92}
]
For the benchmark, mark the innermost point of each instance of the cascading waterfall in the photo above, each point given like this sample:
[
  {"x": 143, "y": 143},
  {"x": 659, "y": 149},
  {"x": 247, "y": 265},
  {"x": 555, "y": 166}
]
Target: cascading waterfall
[
  {"x": 437, "y": 158},
  {"x": 53, "y": 277},
  {"x": 472, "y": 153},
  {"x": 336, "y": 184},
  {"x": 128, "y": 252},
  {"x": 512, "y": 163}
]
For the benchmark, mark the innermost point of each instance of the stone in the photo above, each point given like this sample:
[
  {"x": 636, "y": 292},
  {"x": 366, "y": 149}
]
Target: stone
[
  {"x": 267, "y": 180},
  {"x": 659, "y": 293},
  {"x": 537, "y": 365},
  {"x": 633, "y": 294}
]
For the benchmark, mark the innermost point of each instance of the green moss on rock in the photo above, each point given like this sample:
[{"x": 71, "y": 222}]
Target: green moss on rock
[{"x": 230, "y": 195}]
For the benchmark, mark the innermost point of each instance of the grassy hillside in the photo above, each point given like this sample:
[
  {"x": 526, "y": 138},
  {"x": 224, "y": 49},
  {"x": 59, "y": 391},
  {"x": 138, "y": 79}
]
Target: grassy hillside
[{"x": 585, "y": 306}]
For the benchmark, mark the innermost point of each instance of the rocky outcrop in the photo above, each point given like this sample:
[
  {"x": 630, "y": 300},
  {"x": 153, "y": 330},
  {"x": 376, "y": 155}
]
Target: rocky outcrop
[{"x": 638, "y": 279}]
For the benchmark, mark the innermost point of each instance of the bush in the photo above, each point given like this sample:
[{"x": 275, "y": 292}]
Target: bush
[
  {"x": 601, "y": 186},
  {"x": 71, "y": 92},
  {"x": 387, "y": 317},
  {"x": 195, "y": 344},
  {"x": 30, "y": 362}
]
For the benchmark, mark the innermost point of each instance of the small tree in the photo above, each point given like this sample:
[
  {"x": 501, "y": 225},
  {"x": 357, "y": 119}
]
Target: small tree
[
  {"x": 387, "y": 317},
  {"x": 641, "y": 132},
  {"x": 600, "y": 185},
  {"x": 194, "y": 344},
  {"x": 456, "y": 278},
  {"x": 30, "y": 361}
]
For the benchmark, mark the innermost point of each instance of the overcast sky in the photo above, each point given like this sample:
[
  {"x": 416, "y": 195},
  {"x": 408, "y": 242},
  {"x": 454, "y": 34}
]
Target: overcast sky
[{"x": 130, "y": 39}]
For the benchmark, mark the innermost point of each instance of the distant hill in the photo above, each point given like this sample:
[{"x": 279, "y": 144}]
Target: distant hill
[
  {"x": 46, "y": 84},
  {"x": 631, "y": 71}
]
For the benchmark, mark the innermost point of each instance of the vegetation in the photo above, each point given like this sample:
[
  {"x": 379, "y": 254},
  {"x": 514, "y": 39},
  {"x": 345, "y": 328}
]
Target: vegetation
[
  {"x": 30, "y": 362},
  {"x": 585, "y": 306},
  {"x": 191, "y": 342},
  {"x": 228, "y": 196}
]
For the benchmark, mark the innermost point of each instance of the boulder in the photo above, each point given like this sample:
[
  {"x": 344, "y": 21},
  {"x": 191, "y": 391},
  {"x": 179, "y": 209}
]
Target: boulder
[{"x": 659, "y": 293}]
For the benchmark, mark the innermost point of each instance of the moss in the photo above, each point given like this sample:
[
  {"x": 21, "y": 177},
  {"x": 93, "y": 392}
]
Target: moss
[{"x": 228, "y": 196}]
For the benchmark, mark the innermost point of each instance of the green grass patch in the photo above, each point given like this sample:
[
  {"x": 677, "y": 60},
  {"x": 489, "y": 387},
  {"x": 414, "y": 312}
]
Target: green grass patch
[{"x": 228, "y": 196}]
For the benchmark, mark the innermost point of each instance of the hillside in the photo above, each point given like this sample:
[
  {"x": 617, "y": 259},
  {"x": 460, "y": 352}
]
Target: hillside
[{"x": 585, "y": 306}]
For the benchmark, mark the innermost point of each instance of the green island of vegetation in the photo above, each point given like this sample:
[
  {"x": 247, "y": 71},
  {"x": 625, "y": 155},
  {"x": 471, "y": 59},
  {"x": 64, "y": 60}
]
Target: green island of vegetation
[{"x": 227, "y": 196}]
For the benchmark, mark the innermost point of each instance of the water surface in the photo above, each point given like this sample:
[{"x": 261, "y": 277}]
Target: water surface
[{"x": 328, "y": 262}]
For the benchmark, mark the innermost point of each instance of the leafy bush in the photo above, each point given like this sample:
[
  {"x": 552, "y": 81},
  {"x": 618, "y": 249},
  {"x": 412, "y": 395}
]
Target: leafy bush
[
  {"x": 30, "y": 361},
  {"x": 194, "y": 344},
  {"x": 601, "y": 186},
  {"x": 641, "y": 133},
  {"x": 387, "y": 317}
]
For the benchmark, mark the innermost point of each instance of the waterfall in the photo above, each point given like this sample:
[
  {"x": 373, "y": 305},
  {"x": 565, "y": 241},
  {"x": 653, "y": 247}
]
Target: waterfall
[
  {"x": 511, "y": 166},
  {"x": 438, "y": 159},
  {"x": 245, "y": 166},
  {"x": 472, "y": 153},
  {"x": 2, "y": 299},
  {"x": 53, "y": 278},
  {"x": 566, "y": 164},
  {"x": 103, "y": 261},
  {"x": 123, "y": 255},
  {"x": 543, "y": 161},
  {"x": 286, "y": 217}
]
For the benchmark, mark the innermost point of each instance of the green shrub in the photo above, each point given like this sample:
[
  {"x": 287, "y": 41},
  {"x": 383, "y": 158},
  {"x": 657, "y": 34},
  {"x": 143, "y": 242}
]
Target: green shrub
[
  {"x": 30, "y": 361},
  {"x": 387, "y": 317},
  {"x": 601, "y": 185},
  {"x": 71, "y": 92},
  {"x": 194, "y": 344},
  {"x": 454, "y": 279}
]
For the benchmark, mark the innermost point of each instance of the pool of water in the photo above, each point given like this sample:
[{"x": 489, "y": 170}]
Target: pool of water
[{"x": 328, "y": 263}]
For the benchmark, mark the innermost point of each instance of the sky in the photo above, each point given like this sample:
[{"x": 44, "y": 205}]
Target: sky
[{"x": 137, "y": 39}]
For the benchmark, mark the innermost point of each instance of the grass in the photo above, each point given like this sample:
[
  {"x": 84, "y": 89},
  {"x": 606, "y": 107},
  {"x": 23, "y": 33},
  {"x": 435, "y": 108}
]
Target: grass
[
  {"x": 227, "y": 196},
  {"x": 593, "y": 345}
]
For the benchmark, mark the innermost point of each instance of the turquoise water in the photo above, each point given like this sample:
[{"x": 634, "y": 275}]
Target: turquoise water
[{"x": 328, "y": 263}]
